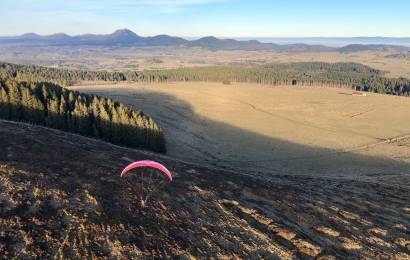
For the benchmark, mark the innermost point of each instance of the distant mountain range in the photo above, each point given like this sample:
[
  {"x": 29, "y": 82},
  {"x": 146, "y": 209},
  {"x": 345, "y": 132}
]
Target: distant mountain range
[
  {"x": 125, "y": 37},
  {"x": 336, "y": 41}
]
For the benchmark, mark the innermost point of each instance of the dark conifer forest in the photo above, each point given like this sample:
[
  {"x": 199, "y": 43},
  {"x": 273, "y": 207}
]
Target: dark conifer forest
[
  {"x": 56, "y": 107},
  {"x": 346, "y": 75}
]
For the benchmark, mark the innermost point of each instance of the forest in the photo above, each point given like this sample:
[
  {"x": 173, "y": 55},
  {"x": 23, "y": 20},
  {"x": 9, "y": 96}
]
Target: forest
[
  {"x": 346, "y": 75},
  {"x": 50, "y": 105}
]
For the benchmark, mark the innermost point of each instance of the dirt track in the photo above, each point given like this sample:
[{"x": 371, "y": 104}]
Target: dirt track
[
  {"x": 282, "y": 130},
  {"x": 61, "y": 197}
]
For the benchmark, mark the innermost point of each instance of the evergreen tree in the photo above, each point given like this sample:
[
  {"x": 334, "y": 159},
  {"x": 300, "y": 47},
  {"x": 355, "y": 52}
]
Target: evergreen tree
[
  {"x": 346, "y": 75},
  {"x": 50, "y": 105}
]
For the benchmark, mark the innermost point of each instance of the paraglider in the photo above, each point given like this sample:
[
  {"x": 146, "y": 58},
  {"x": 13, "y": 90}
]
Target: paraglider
[{"x": 148, "y": 177}]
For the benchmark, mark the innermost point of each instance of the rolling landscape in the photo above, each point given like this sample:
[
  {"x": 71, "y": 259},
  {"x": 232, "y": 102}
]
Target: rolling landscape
[
  {"x": 125, "y": 50},
  {"x": 126, "y": 37},
  {"x": 189, "y": 138}
]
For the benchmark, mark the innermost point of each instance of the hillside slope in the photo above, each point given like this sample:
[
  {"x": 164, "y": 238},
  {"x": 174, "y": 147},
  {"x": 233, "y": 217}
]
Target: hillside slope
[{"x": 60, "y": 195}]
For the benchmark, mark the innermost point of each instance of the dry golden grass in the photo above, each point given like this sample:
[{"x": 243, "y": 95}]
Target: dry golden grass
[{"x": 281, "y": 130}]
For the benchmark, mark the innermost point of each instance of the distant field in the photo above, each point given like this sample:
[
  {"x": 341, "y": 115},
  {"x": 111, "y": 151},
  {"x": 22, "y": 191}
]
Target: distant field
[
  {"x": 279, "y": 130},
  {"x": 137, "y": 58}
]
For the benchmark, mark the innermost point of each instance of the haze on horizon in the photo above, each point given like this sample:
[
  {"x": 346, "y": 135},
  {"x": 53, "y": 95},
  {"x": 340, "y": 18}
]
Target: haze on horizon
[{"x": 221, "y": 18}]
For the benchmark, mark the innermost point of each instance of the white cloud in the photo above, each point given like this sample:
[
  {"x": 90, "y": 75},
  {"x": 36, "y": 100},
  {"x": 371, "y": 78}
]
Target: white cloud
[
  {"x": 168, "y": 2},
  {"x": 120, "y": 4},
  {"x": 107, "y": 6}
]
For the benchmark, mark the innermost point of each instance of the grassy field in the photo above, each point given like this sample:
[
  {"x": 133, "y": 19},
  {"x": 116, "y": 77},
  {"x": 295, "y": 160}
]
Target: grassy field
[
  {"x": 279, "y": 130},
  {"x": 137, "y": 58}
]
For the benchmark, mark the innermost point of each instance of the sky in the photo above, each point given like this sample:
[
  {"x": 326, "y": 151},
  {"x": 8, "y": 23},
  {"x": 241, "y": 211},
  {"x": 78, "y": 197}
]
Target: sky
[{"x": 221, "y": 18}]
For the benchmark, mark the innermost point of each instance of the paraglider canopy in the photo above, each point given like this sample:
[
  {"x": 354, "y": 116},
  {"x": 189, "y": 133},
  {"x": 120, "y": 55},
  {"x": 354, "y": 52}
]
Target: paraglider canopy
[
  {"x": 148, "y": 178},
  {"x": 147, "y": 163}
]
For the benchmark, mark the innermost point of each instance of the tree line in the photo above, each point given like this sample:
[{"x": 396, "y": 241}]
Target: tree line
[
  {"x": 345, "y": 75},
  {"x": 62, "y": 77},
  {"x": 56, "y": 107}
]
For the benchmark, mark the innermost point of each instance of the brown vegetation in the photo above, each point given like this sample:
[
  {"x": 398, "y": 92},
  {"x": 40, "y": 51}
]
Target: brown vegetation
[
  {"x": 61, "y": 197},
  {"x": 281, "y": 130},
  {"x": 140, "y": 58}
]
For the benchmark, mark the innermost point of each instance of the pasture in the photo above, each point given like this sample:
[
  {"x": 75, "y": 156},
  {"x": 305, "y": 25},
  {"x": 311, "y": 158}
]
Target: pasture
[{"x": 275, "y": 130}]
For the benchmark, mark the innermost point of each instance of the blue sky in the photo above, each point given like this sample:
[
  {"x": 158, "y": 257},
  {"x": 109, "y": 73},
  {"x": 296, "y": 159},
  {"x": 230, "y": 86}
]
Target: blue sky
[{"x": 223, "y": 18}]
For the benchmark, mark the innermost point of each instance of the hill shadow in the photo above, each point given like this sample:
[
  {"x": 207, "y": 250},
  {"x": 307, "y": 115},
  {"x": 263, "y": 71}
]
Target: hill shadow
[
  {"x": 200, "y": 140},
  {"x": 79, "y": 176}
]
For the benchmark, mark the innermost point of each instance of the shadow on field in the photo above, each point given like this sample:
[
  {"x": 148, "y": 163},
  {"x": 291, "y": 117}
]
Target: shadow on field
[
  {"x": 62, "y": 192},
  {"x": 198, "y": 139}
]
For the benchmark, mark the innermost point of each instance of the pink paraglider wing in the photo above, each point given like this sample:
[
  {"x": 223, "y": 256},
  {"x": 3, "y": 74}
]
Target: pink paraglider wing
[{"x": 147, "y": 163}]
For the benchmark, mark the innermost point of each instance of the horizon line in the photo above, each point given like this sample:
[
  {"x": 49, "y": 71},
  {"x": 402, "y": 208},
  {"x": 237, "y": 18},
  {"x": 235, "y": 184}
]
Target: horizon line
[{"x": 214, "y": 35}]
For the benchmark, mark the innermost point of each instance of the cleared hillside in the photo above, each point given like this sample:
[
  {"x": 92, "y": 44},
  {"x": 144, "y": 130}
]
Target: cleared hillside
[{"x": 61, "y": 196}]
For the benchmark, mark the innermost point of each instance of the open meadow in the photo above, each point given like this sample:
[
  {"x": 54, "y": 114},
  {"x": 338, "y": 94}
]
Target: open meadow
[
  {"x": 276, "y": 130},
  {"x": 396, "y": 64}
]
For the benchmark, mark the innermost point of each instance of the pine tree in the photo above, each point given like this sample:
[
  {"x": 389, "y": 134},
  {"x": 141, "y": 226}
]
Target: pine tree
[
  {"x": 62, "y": 113},
  {"x": 15, "y": 100},
  {"x": 4, "y": 102},
  {"x": 48, "y": 104},
  {"x": 105, "y": 120}
]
